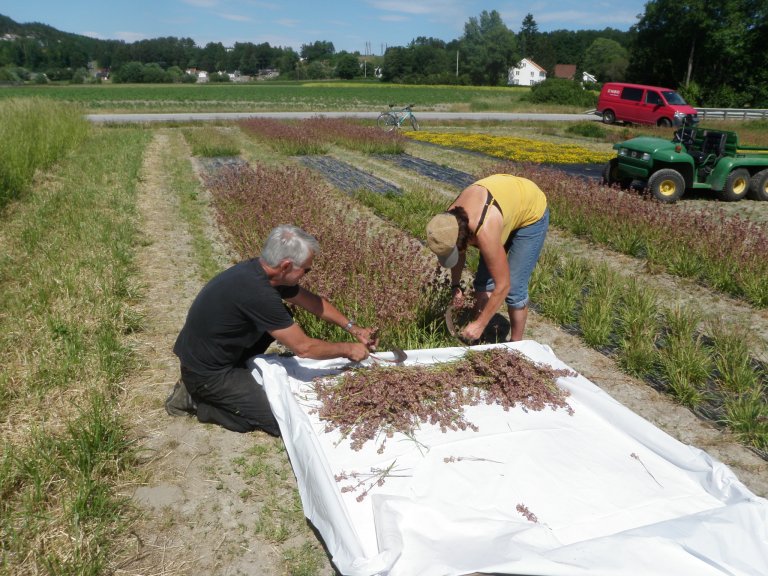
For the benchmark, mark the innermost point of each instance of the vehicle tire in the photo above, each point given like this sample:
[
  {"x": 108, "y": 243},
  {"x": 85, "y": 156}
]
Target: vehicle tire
[
  {"x": 386, "y": 121},
  {"x": 667, "y": 185},
  {"x": 736, "y": 185},
  {"x": 758, "y": 186},
  {"x": 611, "y": 178},
  {"x": 414, "y": 123},
  {"x": 664, "y": 123},
  {"x": 609, "y": 117}
]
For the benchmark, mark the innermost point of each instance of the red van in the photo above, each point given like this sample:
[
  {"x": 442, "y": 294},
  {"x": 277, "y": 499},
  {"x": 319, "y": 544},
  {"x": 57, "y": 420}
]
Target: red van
[{"x": 640, "y": 104}]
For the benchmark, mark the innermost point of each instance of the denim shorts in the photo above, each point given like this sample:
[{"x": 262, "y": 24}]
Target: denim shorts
[{"x": 523, "y": 249}]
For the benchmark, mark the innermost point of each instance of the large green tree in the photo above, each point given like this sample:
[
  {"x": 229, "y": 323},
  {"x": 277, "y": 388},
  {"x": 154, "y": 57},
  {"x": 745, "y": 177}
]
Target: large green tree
[
  {"x": 430, "y": 58},
  {"x": 490, "y": 48},
  {"x": 397, "y": 64},
  {"x": 213, "y": 57},
  {"x": 424, "y": 60},
  {"x": 317, "y": 51},
  {"x": 606, "y": 59},
  {"x": 347, "y": 66},
  {"x": 718, "y": 45},
  {"x": 529, "y": 34}
]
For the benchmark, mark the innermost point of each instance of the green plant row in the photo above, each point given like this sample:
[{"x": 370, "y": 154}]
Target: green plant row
[
  {"x": 66, "y": 284},
  {"x": 210, "y": 142},
  {"x": 704, "y": 363},
  {"x": 34, "y": 133}
]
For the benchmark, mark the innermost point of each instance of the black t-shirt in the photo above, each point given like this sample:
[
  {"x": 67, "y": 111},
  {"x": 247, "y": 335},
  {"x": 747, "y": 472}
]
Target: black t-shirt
[{"x": 229, "y": 315}]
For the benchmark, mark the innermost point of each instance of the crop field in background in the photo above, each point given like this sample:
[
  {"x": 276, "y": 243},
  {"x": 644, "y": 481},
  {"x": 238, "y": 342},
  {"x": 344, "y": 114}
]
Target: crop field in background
[{"x": 275, "y": 96}]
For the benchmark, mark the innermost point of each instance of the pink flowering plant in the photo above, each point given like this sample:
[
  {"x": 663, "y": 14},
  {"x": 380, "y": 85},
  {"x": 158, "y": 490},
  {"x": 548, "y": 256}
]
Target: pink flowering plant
[
  {"x": 724, "y": 252},
  {"x": 316, "y": 135},
  {"x": 374, "y": 272}
]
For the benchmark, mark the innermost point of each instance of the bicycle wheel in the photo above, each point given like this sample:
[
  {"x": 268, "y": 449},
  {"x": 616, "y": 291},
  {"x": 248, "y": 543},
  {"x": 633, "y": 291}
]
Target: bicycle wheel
[
  {"x": 414, "y": 122},
  {"x": 386, "y": 121}
]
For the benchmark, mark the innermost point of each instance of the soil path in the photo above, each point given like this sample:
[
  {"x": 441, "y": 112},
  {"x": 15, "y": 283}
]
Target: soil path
[
  {"x": 194, "y": 520},
  {"x": 194, "y": 516}
]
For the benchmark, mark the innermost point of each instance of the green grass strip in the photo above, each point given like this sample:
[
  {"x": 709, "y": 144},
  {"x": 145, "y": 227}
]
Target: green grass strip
[
  {"x": 34, "y": 133},
  {"x": 66, "y": 288}
]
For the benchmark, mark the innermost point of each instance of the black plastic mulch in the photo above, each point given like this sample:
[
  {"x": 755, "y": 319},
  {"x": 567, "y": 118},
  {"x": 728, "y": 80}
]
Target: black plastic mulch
[
  {"x": 588, "y": 171},
  {"x": 215, "y": 164},
  {"x": 462, "y": 179},
  {"x": 346, "y": 177},
  {"x": 431, "y": 170}
]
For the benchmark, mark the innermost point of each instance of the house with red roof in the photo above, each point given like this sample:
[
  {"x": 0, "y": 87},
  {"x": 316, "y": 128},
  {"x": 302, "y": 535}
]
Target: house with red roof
[{"x": 526, "y": 73}]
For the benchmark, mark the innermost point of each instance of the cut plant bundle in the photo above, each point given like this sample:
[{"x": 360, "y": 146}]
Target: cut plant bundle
[{"x": 365, "y": 403}]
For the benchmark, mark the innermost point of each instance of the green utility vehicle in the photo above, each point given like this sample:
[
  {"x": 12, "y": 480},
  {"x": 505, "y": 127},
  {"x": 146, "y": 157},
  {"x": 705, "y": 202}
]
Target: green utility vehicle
[{"x": 695, "y": 159}]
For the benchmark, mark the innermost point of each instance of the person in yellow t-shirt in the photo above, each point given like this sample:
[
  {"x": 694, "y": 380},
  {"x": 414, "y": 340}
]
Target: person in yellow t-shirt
[{"x": 506, "y": 217}]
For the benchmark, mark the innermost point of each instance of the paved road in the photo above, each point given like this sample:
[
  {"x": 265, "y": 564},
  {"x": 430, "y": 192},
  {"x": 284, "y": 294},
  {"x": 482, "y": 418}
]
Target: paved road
[{"x": 207, "y": 116}]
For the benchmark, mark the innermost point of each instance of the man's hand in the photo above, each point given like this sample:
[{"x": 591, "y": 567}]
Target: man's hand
[
  {"x": 357, "y": 352},
  {"x": 367, "y": 336}
]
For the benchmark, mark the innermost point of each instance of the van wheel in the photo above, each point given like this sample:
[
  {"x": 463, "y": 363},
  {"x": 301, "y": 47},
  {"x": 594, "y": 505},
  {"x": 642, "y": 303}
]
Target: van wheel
[
  {"x": 667, "y": 185},
  {"x": 609, "y": 117},
  {"x": 664, "y": 123},
  {"x": 736, "y": 185},
  {"x": 758, "y": 186}
]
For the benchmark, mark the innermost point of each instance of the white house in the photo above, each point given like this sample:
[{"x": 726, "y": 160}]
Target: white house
[{"x": 526, "y": 73}]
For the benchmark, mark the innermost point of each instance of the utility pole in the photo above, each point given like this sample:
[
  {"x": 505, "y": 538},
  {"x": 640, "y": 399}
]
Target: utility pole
[
  {"x": 457, "y": 63},
  {"x": 365, "y": 60}
]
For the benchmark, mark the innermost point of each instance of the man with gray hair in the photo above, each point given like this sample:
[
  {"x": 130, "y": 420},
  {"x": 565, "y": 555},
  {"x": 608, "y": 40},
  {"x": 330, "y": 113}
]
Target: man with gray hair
[{"x": 237, "y": 315}]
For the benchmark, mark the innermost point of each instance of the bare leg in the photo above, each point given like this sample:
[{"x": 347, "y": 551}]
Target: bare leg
[{"x": 517, "y": 320}]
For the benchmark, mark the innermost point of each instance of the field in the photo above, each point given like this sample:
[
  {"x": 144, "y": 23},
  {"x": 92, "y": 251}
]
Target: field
[
  {"x": 108, "y": 243},
  {"x": 276, "y": 96}
]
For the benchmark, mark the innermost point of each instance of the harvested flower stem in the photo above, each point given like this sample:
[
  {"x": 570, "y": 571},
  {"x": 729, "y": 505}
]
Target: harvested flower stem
[{"x": 364, "y": 403}]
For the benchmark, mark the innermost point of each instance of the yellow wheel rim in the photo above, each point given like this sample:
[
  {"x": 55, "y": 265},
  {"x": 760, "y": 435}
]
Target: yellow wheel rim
[
  {"x": 667, "y": 188},
  {"x": 740, "y": 185}
]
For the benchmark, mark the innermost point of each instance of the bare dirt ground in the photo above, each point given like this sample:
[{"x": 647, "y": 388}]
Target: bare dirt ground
[{"x": 196, "y": 511}]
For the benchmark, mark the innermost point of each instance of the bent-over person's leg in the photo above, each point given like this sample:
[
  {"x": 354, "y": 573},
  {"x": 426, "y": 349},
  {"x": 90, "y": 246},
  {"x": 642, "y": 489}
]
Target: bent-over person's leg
[{"x": 523, "y": 249}]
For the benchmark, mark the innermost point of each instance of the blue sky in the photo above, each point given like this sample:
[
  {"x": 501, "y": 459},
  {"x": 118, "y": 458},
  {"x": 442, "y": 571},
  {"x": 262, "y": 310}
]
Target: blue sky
[{"x": 367, "y": 26}]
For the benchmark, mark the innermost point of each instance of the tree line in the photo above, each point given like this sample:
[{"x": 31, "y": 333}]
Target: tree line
[{"x": 714, "y": 53}]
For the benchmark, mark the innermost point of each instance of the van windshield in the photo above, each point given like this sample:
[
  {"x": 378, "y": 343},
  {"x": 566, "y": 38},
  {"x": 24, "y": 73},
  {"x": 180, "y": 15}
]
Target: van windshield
[{"x": 674, "y": 98}]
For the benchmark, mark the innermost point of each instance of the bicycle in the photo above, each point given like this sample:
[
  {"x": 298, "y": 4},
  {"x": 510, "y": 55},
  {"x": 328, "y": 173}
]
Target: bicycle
[{"x": 396, "y": 118}]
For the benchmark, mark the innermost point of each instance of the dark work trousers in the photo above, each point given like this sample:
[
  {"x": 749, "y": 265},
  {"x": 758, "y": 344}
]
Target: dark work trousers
[{"x": 232, "y": 398}]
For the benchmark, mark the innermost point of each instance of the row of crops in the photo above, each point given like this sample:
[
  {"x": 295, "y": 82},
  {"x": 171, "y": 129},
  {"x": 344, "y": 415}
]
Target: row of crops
[{"x": 376, "y": 268}]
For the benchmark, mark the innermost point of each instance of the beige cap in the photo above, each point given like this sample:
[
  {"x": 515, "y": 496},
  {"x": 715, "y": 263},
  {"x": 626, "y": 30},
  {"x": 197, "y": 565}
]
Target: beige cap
[{"x": 442, "y": 234}]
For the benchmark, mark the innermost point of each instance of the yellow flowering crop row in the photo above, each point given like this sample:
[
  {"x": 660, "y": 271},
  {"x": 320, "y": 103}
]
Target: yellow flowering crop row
[{"x": 515, "y": 149}]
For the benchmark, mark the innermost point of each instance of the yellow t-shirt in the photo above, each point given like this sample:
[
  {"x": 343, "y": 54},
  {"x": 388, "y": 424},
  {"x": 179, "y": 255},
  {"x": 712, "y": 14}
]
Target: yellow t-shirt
[{"x": 521, "y": 201}]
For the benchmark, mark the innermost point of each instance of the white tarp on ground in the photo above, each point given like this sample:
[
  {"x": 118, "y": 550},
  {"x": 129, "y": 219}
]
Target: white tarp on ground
[{"x": 612, "y": 494}]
